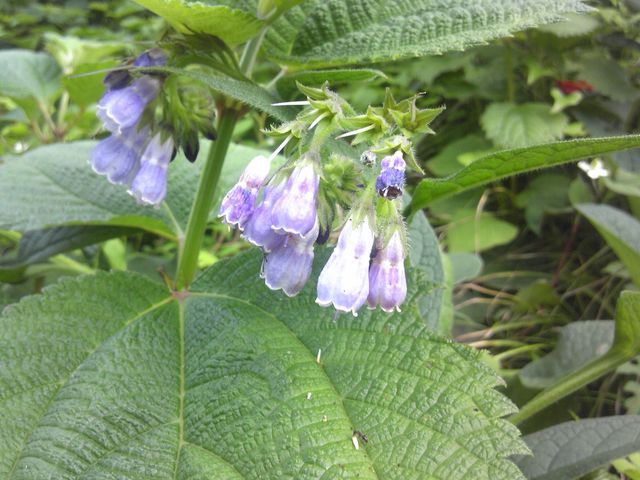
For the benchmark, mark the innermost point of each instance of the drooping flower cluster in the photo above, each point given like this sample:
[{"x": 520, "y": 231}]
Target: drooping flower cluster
[
  {"x": 285, "y": 224},
  {"x": 133, "y": 155}
]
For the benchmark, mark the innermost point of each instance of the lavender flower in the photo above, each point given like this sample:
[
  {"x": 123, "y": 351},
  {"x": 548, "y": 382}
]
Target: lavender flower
[
  {"x": 387, "y": 282},
  {"x": 150, "y": 184},
  {"x": 239, "y": 203},
  {"x": 288, "y": 267},
  {"x": 258, "y": 229},
  {"x": 122, "y": 108},
  {"x": 344, "y": 281},
  {"x": 118, "y": 156},
  {"x": 295, "y": 210},
  {"x": 390, "y": 182}
]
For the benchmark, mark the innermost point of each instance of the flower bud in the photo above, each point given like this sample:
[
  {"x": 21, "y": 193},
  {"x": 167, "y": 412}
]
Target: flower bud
[
  {"x": 239, "y": 203},
  {"x": 344, "y": 280},
  {"x": 118, "y": 156},
  {"x": 390, "y": 182},
  {"x": 117, "y": 79},
  {"x": 150, "y": 184},
  {"x": 155, "y": 57},
  {"x": 295, "y": 210},
  {"x": 121, "y": 109},
  {"x": 258, "y": 228},
  {"x": 288, "y": 267},
  {"x": 387, "y": 282}
]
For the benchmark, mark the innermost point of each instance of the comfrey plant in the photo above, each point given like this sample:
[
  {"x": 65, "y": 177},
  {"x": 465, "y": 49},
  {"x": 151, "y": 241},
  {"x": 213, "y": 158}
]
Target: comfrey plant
[
  {"x": 286, "y": 213},
  {"x": 139, "y": 148}
]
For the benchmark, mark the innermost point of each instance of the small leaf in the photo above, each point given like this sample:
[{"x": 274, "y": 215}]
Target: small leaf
[
  {"x": 578, "y": 343},
  {"x": 25, "y": 74},
  {"x": 511, "y": 126},
  {"x": 287, "y": 85},
  {"x": 547, "y": 193},
  {"x": 620, "y": 230},
  {"x": 572, "y": 449},
  {"x": 318, "y": 34},
  {"x": 608, "y": 78},
  {"x": 512, "y": 162},
  {"x": 233, "y": 25},
  {"x": 465, "y": 266}
]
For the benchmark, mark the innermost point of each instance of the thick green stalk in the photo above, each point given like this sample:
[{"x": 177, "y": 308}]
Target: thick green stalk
[
  {"x": 190, "y": 250},
  {"x": 573, "y": 382},
  {"x": 188, "y": 261}
]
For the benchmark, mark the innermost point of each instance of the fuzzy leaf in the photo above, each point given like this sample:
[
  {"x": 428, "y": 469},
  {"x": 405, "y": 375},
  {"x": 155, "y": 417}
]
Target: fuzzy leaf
[
  {"x": 233, "y": 21},
  {"x": 513, "y": 126},
  {"x": 497, "y": 166},
  {"x": 324, "y": 33},
  {"x": 24, "y": 74},
  {"x": 111, "y": 376}
]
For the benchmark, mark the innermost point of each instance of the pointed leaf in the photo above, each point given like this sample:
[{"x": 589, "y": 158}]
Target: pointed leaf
[
  {"x": 499, "y": 165},
  {"x": 320, "y": 33}
]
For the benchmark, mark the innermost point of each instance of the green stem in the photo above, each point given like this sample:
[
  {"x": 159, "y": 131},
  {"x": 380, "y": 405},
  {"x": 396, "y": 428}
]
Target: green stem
[
  {"x": 188, "y": 261},
  {"x": 572, "y": 382},
  {"x": 188, "y": 254}
]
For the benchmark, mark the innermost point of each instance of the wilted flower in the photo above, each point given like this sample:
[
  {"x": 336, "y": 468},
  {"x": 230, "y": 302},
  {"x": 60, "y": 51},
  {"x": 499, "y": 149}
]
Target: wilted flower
[
  {"x": 387, "y": 282},
  {"x": 390, "y": 182},
  {"x": 258, "y": 229},
  {"x": 295, "y": 210},
  {"x": 288, "y": 266},
  {"x": 122, "y": 108},
  {"x": 344, "y": 281},
  {"x": 239, "y": 203},
  {"x": 118, "y": 156},
  {"x": 150, "y": 184}
]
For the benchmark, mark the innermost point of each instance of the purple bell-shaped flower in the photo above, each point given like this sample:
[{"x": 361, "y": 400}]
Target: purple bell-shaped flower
[
  {"x": 150, "y": 183},
  {"x": 344, "y": 280},
  {"x": 295, "y": 210},
  {"x": 258, "y": 229},
  {"x": 238, "y": 204},
  {"x": 288, "y": 267},
  {"x": 390, "y": 182},
  {"x": 122, "y": 108},
  {"x": 154, "y": 57},
  {"x": 118, "y": 156},
  {"x": 387, "y": 282}
]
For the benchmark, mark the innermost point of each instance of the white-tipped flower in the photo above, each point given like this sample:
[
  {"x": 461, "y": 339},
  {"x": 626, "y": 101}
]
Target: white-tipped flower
[
  {"x": 344, "y": 281},
  {"x": 150, "y": 183},
  {"x": 295, "y": 211}
]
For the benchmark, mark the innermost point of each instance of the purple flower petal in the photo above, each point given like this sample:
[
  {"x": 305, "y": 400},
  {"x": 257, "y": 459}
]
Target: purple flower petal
[
  {"x": 150, "y": 184},
  {"x": 238, "y": 204},
  {"x": 121, "y": 109},
  {"x": 118, "y": 156},
  {"x": 295, "y": 210},
  {"x": 390, "y": 182},
  {"x": 344, "y": 281},
  {"x": 288, "y": 267},
  {"x": 387, "y": 281},
  {"x": 258, "y": 228}
]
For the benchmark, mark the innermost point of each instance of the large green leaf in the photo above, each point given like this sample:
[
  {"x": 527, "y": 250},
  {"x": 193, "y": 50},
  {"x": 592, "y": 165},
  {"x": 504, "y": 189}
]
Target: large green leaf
[
  {"x": 571, "y": 449},
  {"x": 231, "y": 20},
  {"x": 578, "y": 343},
  {"x": 54, "y": 185},
  {"x": 512, "y": 162},
  {"x": 620, "y": 230},
  {"x": 25, "y": 74},
  {"x": 322, "y": 33},
  {"x": 512, "y": 126},
  {"x": 110, "y": 376}
]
